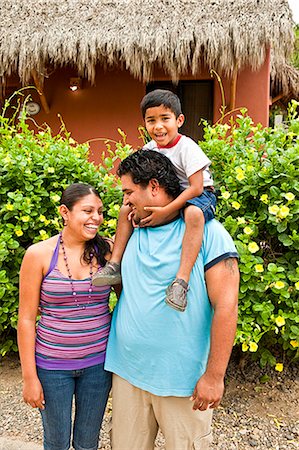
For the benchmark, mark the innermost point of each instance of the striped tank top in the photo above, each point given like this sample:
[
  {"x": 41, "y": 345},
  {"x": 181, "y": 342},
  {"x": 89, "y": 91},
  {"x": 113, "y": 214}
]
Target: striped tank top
[{"x": 71, "y": 337}]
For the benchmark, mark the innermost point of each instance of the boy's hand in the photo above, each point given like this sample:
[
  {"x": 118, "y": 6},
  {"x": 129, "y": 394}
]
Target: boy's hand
[{"x": 159, "y": 215}]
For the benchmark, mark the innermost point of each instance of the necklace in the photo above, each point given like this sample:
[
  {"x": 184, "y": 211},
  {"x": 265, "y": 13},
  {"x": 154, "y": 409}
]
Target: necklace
[{"x": 74, "y": 293}]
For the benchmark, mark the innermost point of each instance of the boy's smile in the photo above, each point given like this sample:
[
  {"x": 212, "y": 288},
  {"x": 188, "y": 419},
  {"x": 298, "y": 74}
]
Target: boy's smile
[{"x": 162, "y": 125}]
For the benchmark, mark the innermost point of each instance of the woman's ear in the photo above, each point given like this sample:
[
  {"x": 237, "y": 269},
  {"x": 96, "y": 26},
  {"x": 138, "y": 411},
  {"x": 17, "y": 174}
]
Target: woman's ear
[{"x": 63, "y": 210}]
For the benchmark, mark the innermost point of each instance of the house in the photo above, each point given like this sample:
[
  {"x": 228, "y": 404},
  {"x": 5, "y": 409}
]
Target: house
[{"x": 111, "y": 52}]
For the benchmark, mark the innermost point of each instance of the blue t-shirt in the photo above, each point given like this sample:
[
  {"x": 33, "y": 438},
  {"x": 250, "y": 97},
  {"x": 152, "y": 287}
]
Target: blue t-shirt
[{"x": 151, "y": 345}]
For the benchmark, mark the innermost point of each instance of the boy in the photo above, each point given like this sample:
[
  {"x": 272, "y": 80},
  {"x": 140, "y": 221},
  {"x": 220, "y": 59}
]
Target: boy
[{"x": 161, "y": 111}]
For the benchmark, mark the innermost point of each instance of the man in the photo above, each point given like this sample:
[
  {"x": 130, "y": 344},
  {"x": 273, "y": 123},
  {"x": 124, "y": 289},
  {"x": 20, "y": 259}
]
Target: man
[{"x": 162, "y": 358}]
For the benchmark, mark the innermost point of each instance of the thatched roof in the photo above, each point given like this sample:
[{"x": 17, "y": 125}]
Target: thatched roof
[
  {"x": 285, "y": 80},
  {"x": 140, "y": 34}
]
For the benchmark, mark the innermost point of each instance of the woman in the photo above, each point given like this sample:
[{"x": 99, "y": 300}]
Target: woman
[{"x": 64, "y": 357}]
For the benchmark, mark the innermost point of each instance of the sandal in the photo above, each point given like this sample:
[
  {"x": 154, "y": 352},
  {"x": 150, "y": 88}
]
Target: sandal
[
  {"x": 109, "y": 275},
  {"x": 176, "y": 294}
]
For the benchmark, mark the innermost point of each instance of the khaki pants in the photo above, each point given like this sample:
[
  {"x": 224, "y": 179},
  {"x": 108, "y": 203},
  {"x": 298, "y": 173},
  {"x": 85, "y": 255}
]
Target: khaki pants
[{"x": 137, "y": 416}]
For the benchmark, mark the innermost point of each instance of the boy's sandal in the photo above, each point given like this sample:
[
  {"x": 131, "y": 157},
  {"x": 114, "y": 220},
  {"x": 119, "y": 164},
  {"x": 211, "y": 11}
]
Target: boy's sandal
[
  {"x": 176, "y": 294},
  {"x": 109, "y": 275}
]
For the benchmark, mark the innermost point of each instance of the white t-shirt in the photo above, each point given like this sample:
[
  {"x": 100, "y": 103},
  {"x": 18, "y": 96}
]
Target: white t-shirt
[{"x": 187, "y": 158}]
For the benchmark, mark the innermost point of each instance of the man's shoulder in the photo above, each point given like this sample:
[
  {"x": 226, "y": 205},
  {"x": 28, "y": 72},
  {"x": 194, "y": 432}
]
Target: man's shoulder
[
  {"x": 217, "y": 243},
  {"x": 214, "y": 229}
]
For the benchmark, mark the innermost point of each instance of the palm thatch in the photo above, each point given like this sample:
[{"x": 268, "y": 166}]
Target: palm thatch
[
  {"x": 285, "y": 81},
  {"x": 177, "y": 35}
]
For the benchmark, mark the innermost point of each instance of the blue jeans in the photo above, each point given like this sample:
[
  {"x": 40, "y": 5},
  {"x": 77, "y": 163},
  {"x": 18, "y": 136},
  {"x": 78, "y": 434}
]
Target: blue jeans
[
  {"x": 90, "y": 387},
  {"x": 206, "y": 202}
]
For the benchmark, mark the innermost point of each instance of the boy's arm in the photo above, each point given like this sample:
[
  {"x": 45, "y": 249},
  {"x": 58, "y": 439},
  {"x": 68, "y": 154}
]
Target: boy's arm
[{"x": 160, "y": 214}]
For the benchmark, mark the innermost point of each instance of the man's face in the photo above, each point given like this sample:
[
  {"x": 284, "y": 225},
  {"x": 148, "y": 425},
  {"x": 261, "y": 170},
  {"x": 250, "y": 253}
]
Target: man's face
[
  {"x": 162, "y": 125},
  {"x": 136, "y": 196}
]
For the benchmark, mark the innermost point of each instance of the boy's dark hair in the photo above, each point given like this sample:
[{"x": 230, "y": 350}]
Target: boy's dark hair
[
  {"x": 160, "y": 97},
  {"x": 145, "y": 165}
]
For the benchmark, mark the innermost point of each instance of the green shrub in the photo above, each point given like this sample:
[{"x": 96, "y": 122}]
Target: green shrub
[
  {"x": 257, "y": 173},
  {"x": 35, "y": 168}
]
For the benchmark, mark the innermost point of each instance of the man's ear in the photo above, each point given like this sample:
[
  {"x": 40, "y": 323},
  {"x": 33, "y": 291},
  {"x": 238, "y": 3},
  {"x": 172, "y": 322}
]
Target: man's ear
[
  {"x": 154, "y": 186},
  {"x": 180, "y": 120}
]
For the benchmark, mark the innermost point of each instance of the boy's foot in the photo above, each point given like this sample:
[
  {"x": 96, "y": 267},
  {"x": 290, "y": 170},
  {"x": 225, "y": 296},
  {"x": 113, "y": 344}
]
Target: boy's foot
[
  {"x": 176, "y": 294},
  {"x": 109, "y": 275}
]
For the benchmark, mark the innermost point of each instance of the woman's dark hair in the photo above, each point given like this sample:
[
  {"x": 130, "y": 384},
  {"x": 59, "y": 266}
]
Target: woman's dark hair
[
  {"x": 160, "y": 97},
  {"x": 145, "y": 165},
  {"x": 97, "y": 246}
]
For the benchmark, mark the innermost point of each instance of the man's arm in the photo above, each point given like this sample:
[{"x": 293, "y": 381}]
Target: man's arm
[{"x": 222, "y": 281}]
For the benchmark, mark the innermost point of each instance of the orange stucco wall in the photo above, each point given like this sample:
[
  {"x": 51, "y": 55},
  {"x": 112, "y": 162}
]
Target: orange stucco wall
[
  {"x": 94, "y": 111},
  {"x": 253, "y": 93},
  {"x": 113, "y": 102}
]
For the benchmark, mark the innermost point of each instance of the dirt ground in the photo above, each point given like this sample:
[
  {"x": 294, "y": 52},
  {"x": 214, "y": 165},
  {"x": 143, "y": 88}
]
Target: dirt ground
[{"x": 253, "y": 414}]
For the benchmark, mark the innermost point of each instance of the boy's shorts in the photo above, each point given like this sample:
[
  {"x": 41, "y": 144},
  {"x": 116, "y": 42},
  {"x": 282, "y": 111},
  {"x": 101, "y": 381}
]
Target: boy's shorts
[{"x": 206, "y": 202}]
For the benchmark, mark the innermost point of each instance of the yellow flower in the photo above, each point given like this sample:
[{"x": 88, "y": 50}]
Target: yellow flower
[
  {"x": 55, "y": 198},
  {"x": 111, "y": 223},
  {"x": 280, "y": 322},
  {"x": 259, "y": 268},
  {"x": 264, "y": 198},
  {"x": 245, "y": 347},
  {"x": 240, "y": 176},
  {"x": 236, "y": 205},
  {"x": 225, "y": 195},
  {"x": 72, "y": 141},
  {"x": 273, "y": 209},
  {"x": 294, "y": 344},
  {"x": 25, "y": 218},
  {"x": 44, "y": 235},
  {"x": 116, "y": 207},
  {"x": 297, "y": 285},
  {"x": 289, "y": 196},
  {"x": 19, "y": 232},
  {"x": 253, "y": 347},
  {"x": 279, "y": 284},
  {"x": 51, "y": 170},
  {"x": 283, "y": 212},
  {"x": 9, "y": 207},
  {"x": 253, "y": 247},
  {"x": 240, "y": 220},
  {"x": 279, "y": 367},
  {"x": 42, "y": 218},
  {"x": 248, "y": 230},
  {"x": 55, "y": 222}
]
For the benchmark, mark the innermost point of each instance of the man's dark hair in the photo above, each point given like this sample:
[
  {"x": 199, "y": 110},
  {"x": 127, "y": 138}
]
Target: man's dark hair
[
  {"x": 144, "y": 165},
  {"x": 160, "y": 97}
]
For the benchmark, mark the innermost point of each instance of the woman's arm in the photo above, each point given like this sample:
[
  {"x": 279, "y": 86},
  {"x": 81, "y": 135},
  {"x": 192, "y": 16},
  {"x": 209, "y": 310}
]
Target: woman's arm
[{"x": 31, "y": 275}]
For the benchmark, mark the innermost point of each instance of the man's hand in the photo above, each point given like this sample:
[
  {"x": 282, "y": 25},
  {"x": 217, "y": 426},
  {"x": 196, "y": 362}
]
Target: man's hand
[
  {"x": 208, "y": 392},
  {"x": 159, "y": 215}
]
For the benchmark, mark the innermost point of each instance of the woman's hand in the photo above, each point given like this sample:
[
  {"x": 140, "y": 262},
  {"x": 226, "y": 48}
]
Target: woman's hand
[{"x": 33, "y": 394}]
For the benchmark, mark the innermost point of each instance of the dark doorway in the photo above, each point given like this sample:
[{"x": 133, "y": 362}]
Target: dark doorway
[{"x": 197, "y": 103}]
